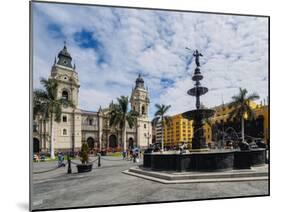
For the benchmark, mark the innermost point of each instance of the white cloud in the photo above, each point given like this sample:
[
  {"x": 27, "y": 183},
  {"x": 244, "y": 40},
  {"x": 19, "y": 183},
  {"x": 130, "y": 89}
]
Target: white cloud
[{"x": 153, "y": 42}]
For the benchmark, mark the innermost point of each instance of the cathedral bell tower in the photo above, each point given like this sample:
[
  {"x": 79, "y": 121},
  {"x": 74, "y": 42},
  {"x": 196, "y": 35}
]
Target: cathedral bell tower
[
  {"x": 140, "y": 103},
  {"x": 67, "y": 133}
]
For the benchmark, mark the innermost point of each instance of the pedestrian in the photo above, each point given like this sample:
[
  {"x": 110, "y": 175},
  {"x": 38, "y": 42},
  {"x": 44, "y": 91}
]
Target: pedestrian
[
  {"x": 124, "y": 155},
  {"x": 60, "y": 159},
  {"x": 127, "y": 154},
  {"x": 134, "y": 157}
]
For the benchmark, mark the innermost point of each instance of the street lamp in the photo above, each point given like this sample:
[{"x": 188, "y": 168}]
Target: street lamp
[{"x": 148, "y": 136}]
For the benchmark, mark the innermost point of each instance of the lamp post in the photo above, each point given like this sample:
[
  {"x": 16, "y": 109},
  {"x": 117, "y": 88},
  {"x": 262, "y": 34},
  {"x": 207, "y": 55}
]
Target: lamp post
[{"x": 148, "y": 136}]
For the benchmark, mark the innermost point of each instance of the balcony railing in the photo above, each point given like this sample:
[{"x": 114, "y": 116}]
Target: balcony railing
[{"x": 89, "y": 127}]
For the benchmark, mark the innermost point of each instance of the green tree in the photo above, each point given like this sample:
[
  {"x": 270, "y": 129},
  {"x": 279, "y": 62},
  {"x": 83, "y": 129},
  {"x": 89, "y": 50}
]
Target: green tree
[
  {"x": 164, "y": 120},
  {"x": 84, "y": 154},
  {"x": 120, "y": 116},
  {"x": 48, "y": 105},
  {"x": 241, "y": 107}
]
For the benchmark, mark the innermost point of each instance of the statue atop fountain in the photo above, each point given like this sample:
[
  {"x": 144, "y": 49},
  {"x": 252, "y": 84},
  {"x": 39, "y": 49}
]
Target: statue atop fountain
[
  {"x": 197, "y": 54},
  {"x": 199, "y": 114}
]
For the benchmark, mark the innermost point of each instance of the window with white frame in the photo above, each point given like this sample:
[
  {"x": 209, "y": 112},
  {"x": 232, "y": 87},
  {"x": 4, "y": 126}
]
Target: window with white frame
[{"x": 64, "y": 118}]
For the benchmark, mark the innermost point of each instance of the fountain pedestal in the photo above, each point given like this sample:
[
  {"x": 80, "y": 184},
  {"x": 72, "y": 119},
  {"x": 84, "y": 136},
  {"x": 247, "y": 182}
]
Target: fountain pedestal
[{"x": 199, "y": 114}]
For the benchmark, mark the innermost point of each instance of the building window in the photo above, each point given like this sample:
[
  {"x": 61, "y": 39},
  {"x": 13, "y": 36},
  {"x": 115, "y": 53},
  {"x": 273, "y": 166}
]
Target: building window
[
  {"x": 64, "y": 95},
  {"x": 35, "y": 127},
  {"x": 64, "y": 132},
  {"x": 90, "y": 121},
  {"x": 143, "y": 110},
  {"x": 64, "y": 118},
  {"x": 144, "y": 126}
]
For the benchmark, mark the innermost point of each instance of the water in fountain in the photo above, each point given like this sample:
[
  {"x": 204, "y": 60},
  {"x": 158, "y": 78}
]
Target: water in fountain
[{"x": 224, "y": 137}]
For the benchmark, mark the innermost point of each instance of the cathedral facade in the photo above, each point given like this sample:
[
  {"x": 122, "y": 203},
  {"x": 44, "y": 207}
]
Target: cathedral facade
[{"x": 77, "y": 125}]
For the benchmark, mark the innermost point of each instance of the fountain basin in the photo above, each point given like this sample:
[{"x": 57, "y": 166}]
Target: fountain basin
[
  {"x": 197, "y": 91},
  {"x": 204, "y": 113},
  {"x": 213, "y": 160},
  {"x": 248, "y": 158}
]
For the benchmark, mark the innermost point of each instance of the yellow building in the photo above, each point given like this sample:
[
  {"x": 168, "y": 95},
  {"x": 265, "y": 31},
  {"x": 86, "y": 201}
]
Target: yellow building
[
  {"x": 222, "y": 115},
  {"x": 222, "y": 112},
  {"x": 180, "y": 130},
  {"x": 262, "y": 111}
]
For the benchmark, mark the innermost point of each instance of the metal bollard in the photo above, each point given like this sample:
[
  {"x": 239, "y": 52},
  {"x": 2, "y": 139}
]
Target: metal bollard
[
  {"x": 69, "y": 171},
  {"x": 99, "y": 160}
]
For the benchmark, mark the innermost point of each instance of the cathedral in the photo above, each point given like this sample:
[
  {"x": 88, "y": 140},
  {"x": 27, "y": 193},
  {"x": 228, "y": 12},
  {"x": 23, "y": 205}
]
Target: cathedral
[{"x": 78, "y": 125}]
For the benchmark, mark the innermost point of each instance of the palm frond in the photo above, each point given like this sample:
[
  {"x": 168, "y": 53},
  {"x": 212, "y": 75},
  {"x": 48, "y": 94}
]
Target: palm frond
[
  {"x": 158, "y": 106},
  {"x": 167, "y": 120},
  {"x": 57, "y": 112},
  {"x": 161, "y": 109},
  {"x": 63, "y": 101},
  {"x": 51, "y": 86},
  {"x": 166, "y": 108},
  {"x": 131, "y": 119},
  {"x": 241, "y": 104},
  {"x": 40, "y": 94},
  {"x": 123, "y": 102},
  {"x": 253, "y": 96}
]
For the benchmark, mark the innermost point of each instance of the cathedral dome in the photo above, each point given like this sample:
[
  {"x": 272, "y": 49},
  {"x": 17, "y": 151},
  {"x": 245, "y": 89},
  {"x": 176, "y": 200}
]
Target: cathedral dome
[
  {"x": 64, "y": 53},
  {"x": 139, "y": 82},
  {"x": 64, "y": 57}
]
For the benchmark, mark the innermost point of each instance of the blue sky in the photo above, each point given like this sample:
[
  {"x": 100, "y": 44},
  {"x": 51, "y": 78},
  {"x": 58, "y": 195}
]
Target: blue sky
[{"x": 111, "y": 46}]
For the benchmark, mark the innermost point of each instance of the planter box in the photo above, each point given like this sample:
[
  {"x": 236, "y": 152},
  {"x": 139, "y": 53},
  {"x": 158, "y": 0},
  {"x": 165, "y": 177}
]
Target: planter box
[{"x": 84, "y": 168}]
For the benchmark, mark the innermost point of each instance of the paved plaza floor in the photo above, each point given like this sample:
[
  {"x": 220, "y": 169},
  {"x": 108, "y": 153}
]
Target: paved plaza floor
[{"x": 107, "y": 185}]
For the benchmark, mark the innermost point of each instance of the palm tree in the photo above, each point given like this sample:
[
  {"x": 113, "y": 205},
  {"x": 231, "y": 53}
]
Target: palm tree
[
  {"x": 47, "y": 104},
  {"x": 120, "y": 115},
  {"x": 160, "y": 116},
  {"x": 241, "y": 107}
]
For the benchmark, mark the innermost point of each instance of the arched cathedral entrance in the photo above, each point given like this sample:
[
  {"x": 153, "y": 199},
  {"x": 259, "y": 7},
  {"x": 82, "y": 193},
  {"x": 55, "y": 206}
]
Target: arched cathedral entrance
[
  {"x": 36, "y": 145},
  {"x": 92, "y": 143},
  {"x": 131, "y": 143},
  {"x": 112, "y": 141}
]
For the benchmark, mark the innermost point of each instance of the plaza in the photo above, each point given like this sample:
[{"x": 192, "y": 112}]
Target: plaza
[
  {"x": 107, "y": 185},
  {"x": 106, "y": 107}
]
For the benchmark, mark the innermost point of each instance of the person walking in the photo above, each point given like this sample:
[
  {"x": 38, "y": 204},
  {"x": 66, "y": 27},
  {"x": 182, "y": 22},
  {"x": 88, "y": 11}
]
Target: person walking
[
  {"x": 60, "y": 160},
  {"x": 124, "y": 154}
]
